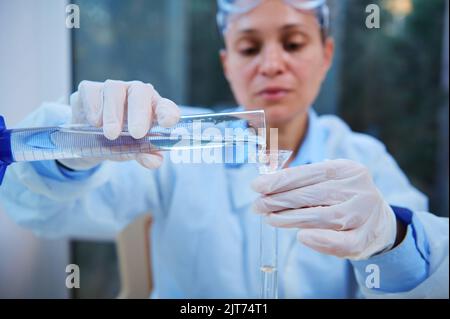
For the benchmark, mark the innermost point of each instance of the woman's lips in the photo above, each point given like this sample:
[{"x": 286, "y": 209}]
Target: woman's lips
[{"x": 274, "y": 94}]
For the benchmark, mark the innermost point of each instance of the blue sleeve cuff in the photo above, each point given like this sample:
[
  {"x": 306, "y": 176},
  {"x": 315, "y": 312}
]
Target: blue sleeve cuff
[
  {"x": 52, "y": 170},
  {"x": 403, "y": 267}
]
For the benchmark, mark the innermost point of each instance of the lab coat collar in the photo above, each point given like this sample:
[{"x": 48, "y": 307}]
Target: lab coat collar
[{"x": 312, "y": 148}]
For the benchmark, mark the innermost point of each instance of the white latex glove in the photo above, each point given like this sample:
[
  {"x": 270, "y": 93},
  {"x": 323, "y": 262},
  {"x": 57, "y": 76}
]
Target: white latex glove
[
  {"x": 112, "y": 104},
  {"x": 335, "y": 204}
]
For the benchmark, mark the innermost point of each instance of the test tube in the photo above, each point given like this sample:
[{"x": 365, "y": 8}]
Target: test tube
[{"x": 269, "y": 162}]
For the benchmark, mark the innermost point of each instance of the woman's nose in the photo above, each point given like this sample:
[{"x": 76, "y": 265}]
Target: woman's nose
[{"x": 272, "y": 63}]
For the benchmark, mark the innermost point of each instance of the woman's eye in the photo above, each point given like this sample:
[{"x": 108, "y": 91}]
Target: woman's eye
[
  {"x": 293, "y": 46},
  {"x": 249, "y": 51}
]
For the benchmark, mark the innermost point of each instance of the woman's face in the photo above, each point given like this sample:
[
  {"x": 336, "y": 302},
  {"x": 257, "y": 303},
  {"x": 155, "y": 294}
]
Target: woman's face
[{"x": 275, "y": 59}]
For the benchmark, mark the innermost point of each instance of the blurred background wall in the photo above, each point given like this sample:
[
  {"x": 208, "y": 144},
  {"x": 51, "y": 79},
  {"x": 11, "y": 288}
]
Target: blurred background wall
[
  {"x": 395, "y": 87},
  {"x": 390, "y": 82},
  {"x": 34, "y": 67}
]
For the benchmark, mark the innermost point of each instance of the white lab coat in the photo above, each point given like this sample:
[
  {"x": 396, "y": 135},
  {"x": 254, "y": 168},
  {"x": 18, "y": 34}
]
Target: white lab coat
[{"x": 205, "y": 238}]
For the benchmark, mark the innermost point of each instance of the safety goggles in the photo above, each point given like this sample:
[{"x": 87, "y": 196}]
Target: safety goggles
[{"x": 227, "y": 8}]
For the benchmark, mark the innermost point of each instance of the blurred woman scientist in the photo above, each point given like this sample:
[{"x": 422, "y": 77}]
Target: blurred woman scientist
[{"x": 343, "y": 206}]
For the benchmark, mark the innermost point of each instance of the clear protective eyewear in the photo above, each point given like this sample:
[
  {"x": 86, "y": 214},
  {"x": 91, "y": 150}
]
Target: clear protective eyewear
[{"x": 226, "y": 8}]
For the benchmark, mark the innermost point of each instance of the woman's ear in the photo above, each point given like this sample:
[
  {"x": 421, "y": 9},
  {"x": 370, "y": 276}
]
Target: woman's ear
[
  {"x": 328, "y": 53},
  {"x": 224, "y": 59}
]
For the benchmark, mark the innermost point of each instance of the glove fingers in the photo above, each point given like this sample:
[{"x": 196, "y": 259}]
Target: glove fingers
[
  {"x": 324, "y": 194},
  {"x": 150, "y": 161},
  {"x": 297, "y": 218},
  {"x": 167, "y": 112},
  {"x": 78, "y": 115},
  {"x": 140, "y": 113},
  {"x": 305, "y": 175},
  {"x": 122, "y": 157},
  {"x": 114, "y": 107},
  {"x": 336, "y": 217},
  {"x": 91, "y": 99},
  {"x": 331, "y": 242}
]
